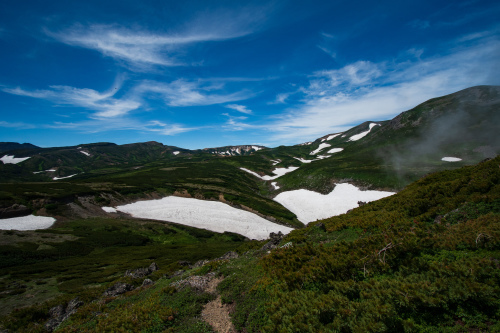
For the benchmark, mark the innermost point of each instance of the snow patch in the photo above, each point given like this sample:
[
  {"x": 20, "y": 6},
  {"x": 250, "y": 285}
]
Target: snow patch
[
  {"x": 212, "y": 215},
  {"x": 321, "y": 147},
  {"x": 451, "y": 159},
  {"x": 176, "y": 152},
  {"x": 303, "y": 160},
  {"x": 30, "y": 222},
  {"x": 256, "y": 148},
  {"x": 57, "y": 178},
  {"x": 84, "y": 152},
  {"x": 335, "y": 150},
  {"x": 10, "y": 159},
  {"x": 275, "y": 161},
  {"x": 278, "y": 172},
  {"x": 322, "y": 157},
  {"x": 275, "y": 185},
  {"x": 332, "y": 136},
  {"x": 362, "y": 134},
  {"x": 310, "y": 206},
  {"x": 109, "y": 209}
]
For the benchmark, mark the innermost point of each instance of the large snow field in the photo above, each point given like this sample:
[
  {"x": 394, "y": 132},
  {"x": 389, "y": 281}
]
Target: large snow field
[
  {"x": 451, "y": 159},
  {"x": 278, "y": 172},
  {"x": 310, "y": 206},
  {"x": 212, "y": 215},
  {"x": 30, "y": 222},
  {"x": 362, "y": 134},
  {"x": 10, "y": 159}
]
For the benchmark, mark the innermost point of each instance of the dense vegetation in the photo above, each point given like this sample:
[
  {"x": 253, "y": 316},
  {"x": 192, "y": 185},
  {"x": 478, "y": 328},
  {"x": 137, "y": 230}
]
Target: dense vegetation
[{"x": 423, "y": 260}]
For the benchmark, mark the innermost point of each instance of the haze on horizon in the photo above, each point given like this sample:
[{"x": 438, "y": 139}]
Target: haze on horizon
[{"x": 196, "y": 75}]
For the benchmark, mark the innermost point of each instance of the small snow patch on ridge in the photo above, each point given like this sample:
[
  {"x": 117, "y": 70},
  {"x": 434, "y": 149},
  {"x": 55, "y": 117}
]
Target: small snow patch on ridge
[
  {"x": 303, "y": 160},
  {"x": 275, "y": 185},
  {"x": 278, "y": 172},
  {"x": 332, "y": 136},
  {"x": 84, "y": 152},
  {"x": 176, "y": 152},
  {"x": 362, "y": 134},
  {"x": 320, "y": 148},
  {"x": 335, "y": 150},
  {"x": 57, "y": 178},
  {"x": 10, "y": 159},
  {"x": 451, "y": 159},
  {"x": 256, "y": 148}
]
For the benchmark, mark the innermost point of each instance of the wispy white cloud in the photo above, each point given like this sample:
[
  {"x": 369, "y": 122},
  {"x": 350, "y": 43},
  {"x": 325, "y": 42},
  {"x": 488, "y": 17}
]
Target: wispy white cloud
[
  {"x": 191, "y": 93},
  {"x": 141, "y": 47},
  {"x": 327, "y": 51},
  {"x": 102, "y": 102},
  {"x": 234, "y": 123},
  {"x": 357, "y": 74},
  {"x": 239, "y": 108},
  {"x": 120, "y": 124},
  {"x": 18, "y": 125},
  {"x": 335, "y": 100}
]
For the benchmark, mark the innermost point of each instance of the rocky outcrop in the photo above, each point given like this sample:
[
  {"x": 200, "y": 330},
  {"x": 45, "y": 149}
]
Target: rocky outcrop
[
  {"x": 61, "y": 312},
  {"x": 274, "y": 240},
  {"x": 141, "y": 272},
  {"x": 197, "y": 282},
  {"x": 118, "y": 289},
  {"x": 147, "y": 283}
]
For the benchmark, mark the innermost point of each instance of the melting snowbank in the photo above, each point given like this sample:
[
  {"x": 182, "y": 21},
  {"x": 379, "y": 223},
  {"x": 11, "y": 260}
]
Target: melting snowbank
[
  {"x": 30, "y": 222},
  {"x": 335, "y": 150},
  {"x": 320, "y": 148},
  {"x": 310, "y": 206},
  {"x": 362, "y": 134},
  {"x": 10, "y": 159},
  {"x": 451, "y": 159},
  {"x": 212, "y": 215},
  {"x": 58, "y": 178},
  {"x": 278, "y": 172}
]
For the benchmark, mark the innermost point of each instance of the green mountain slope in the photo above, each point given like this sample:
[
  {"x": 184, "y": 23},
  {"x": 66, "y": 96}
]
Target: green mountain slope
[
  {"x": 423, "y": 260},
  {"x": 397, "y": 152}
]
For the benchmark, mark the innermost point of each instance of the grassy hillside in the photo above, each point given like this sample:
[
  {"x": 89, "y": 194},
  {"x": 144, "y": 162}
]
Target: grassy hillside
[{"x": 423, "y": 260}]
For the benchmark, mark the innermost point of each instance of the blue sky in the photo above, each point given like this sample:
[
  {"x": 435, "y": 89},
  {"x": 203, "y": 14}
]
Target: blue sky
[{"x": 198, "y": 74}]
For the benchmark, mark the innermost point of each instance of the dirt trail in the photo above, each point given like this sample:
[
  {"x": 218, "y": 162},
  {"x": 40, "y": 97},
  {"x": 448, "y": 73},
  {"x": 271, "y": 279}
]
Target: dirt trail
[{"x": 215, "y": 313}]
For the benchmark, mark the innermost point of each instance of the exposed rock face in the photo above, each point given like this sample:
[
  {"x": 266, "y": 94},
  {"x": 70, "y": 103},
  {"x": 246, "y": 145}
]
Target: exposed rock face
[
  {"x": 14, "y": 211},
  {"x": 199, "y": 283},
  {"x": 274, "y": 240},
  {"x": 141, "y": 272},
  {"x": 147, "y": 282},
  {"x": 60, "y": 313},
  {"x": 200, "y": 263},
  {"x": 118, "y": 289},
  {"x": 230, "y": 255}
]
